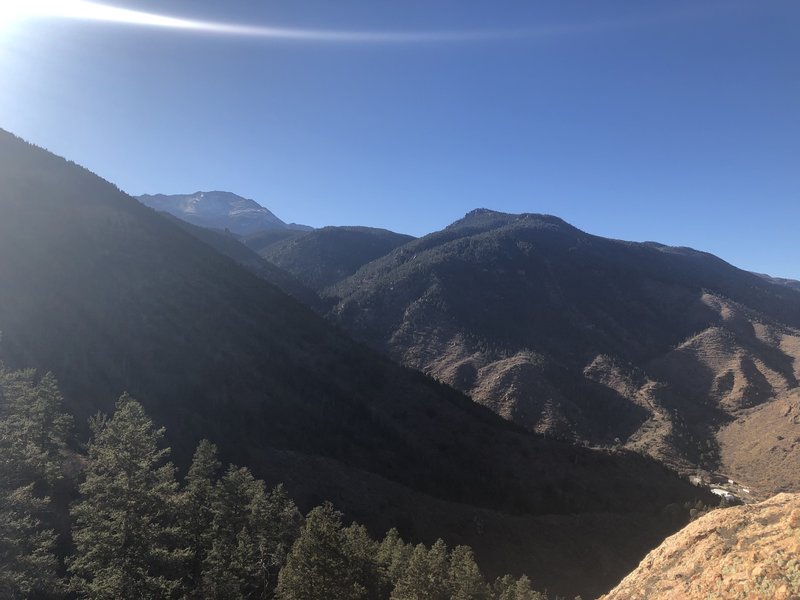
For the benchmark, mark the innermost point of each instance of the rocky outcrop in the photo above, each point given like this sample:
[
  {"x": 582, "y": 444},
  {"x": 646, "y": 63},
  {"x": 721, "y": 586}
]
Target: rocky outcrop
[{"x": 743, "y": 552}]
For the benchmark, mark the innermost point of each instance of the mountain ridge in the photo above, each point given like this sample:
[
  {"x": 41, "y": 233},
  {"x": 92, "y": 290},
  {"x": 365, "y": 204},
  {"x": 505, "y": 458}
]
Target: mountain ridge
[
  {"x": 321, "y": 257},
  {"x": 218, "y": 210}
]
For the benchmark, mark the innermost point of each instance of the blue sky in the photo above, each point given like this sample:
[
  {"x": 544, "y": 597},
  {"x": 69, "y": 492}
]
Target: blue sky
[{"x": 670, "y": 121}]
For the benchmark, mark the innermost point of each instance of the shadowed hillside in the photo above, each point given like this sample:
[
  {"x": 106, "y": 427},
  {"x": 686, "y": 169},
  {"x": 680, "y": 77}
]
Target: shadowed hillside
[
  {"x": 259, "y": 240},
  {"x": 110, "y": 296},
  {"x": 230, "y": 245},
  {"x": 321, "y": 257},
  {"x": 581, "y": 336}
]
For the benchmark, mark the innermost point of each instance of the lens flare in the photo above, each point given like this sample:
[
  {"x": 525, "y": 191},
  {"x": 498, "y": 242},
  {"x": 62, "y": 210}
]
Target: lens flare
[
  {"x": 17, "y": 10},
  {"x": 13, "y": 11}
]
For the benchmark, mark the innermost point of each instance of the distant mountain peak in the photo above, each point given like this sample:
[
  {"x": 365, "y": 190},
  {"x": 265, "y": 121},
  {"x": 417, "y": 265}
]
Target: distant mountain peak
[
  {"x": 218, "y": 210},
  {"x": 485, "y": 218},
  {"x": 482, "y": 211}
]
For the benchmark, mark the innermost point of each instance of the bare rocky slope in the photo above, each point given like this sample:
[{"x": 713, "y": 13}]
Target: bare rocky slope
[
  {"x": 608, "y": 342},
  {"x": 112, "y": 297},
  {"x": 737, "y": 553}
]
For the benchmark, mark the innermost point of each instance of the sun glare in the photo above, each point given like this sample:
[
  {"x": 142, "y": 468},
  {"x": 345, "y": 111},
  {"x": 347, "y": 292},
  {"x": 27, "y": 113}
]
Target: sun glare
[
  {"x": 13, "y": 11},
  {"x": 16, "y": 10}
]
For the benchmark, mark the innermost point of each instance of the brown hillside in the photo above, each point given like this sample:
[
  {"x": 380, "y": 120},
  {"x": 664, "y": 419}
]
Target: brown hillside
[
  {"x": 735, "y": 553},
  {"x": 761, "y": 449}
]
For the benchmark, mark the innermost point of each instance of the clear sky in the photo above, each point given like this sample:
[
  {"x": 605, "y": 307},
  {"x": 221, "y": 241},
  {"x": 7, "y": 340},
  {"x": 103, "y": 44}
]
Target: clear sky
[{"x": 671, "y": 121}]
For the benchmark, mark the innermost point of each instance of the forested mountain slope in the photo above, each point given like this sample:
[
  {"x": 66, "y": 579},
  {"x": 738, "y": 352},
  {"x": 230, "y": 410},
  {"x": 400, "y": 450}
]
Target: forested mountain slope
[
  {"x": 322, "y": 257},
  {"x": 112, "y": 297},
  {"x": 581, "y": 336}
]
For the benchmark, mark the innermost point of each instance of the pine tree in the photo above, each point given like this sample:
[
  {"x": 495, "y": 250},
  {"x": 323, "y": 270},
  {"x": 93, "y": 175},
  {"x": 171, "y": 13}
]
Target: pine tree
[
  {"x": 466, "y": 580},
  {"x": 364, "y": 569},
  {"x": 318, "y": 566},
  {"x": 33, "y": 427},
  {"x": 524, "y": 591},
  {"x": 427, "y": 575},
  {"x": 225, "y": 570},
  {"x": 411, "y": 583},
  {"x": 123, "y": 534},
  {"x": 27, "y": 562},
  {"x": 249, "y": 535},
  {"x": 253, "y": 557},
  {"x": 509, "y": 588},
  {"x": 196, "y": 515},
  {"x": 393, "y": 555},
  {"x": 504, "y": 588},
  {"x": 284, "y": 523},
  {"x": 33, "y": 436}
]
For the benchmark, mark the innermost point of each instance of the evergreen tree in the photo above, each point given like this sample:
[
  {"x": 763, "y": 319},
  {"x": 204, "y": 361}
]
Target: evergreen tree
[
  {"x": 33, "y": 437},
  {"x": 427, "y": 575},
  {"x": 263, "y": 544},
  {"x": 503, "y": 588},
  {"x": 196, "y": 516},
  {"x": 252, "y": 532},
  {"x": 284, "y": 522},
  {"x": 27, "y": 562},
  {"x": 524, "y": 591},
  {"x": 393, "y": 555},
  {"x": 411, "y": 583},
  {"x": 509, "y": 588},
  {"x": 439, "y": 570},
  {"x": 466, "y": 580},
  {"x": 318, "y": 566},
  {"x": 226, "y": 569},
  {"x": 34, "y": 430},
  {"x": 365, "y": 571},
  {"x": 122, "y": 533}
]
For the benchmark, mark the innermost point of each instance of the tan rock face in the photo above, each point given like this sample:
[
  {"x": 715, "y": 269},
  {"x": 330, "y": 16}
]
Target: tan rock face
[{"x": 735, "y": 553}]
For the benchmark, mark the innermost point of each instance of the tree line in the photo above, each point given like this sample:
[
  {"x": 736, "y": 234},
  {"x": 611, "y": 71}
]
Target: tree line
[{"x": 129, "y": 529}]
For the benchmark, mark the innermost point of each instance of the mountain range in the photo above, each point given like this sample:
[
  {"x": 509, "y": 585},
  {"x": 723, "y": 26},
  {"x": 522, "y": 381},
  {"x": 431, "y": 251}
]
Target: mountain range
[
  {"x": 601, "y": 341},
  {"x": 668, "y": 351},
  {"x": 111, "y": 296}
]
